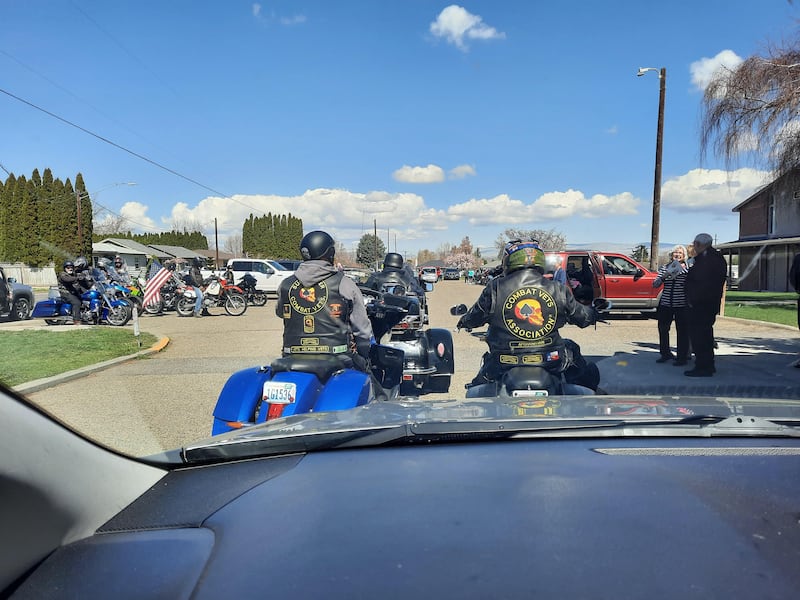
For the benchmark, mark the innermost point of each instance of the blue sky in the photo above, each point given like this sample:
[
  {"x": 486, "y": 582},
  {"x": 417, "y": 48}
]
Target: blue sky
[{"x": 438, "y": 120}]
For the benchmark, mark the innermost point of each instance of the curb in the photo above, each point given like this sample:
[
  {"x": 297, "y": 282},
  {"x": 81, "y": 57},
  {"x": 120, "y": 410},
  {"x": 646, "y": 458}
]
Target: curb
[{"x": 46, "y": 382}]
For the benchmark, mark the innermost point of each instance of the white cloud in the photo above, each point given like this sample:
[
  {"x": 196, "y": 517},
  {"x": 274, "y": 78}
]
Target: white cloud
[
  {"x": 455, "y": 24},
  {"x": 429, "y": 174},
  {"x": 503, "y": 209},
  {"x": 256, "y": 10},
  {"x": 703, "y": 70},
  {"x": 462, "y": 171},
  {"x": 293, "y": 20},
  {"x": 135, "y": 214},
  {"x": 613, "y": 130},
  {"x": 706, "y": 190}
]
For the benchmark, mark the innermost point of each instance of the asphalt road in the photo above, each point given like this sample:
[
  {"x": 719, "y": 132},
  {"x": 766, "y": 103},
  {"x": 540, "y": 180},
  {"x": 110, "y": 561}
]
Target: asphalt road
[{"x": 147, "y": 405}]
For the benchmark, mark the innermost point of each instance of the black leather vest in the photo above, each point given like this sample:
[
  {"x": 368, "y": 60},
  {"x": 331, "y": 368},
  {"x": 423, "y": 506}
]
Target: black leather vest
[
  {"x": 316, "y": 318},
  {"x": 528, "y": 311}
]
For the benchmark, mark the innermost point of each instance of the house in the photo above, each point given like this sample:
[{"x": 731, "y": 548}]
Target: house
[
  {"x": 178, "y": 252},
  {"x": 133, "y": 253},
  {"x": 769, "y": 237}
]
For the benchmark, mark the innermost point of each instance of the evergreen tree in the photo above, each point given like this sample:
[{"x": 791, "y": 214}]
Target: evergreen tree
[{"x": 370, "y": 250}]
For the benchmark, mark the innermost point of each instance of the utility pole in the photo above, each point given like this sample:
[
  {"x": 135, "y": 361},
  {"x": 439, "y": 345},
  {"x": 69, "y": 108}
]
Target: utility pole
[
  {"x": 657, "y": 177},
  {"x": 375, "y": 235},
  {"x": 216, "y": 245}
]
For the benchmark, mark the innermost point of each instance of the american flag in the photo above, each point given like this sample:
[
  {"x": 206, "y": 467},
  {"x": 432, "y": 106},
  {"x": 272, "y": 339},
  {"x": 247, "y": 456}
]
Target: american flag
[{"x": 156, "y": 279}]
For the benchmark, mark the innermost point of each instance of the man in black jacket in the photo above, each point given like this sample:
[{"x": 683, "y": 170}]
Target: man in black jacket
[
  {"x": 704, "y": 285},
  {"x": 70, "y": 289},
  {"x": 524, "y": 311}
]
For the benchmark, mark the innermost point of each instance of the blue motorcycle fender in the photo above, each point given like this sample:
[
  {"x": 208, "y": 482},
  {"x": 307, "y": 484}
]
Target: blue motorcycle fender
[
  {"x": 238, "y": 399},
  {"x": 50, "y": 308},
  {"x": 347, "y": 389}
]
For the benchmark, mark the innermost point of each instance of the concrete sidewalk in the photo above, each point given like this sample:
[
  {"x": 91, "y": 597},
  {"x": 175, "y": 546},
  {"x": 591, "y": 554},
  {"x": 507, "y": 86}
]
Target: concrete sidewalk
[{"x": 758, "y": 365}]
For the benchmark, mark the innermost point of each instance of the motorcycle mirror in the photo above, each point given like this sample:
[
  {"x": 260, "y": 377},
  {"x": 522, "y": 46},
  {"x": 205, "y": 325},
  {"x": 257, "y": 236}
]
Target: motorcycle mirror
[
  {"x": 428, "y": 287},
  {"x": 459, "y": 309}
]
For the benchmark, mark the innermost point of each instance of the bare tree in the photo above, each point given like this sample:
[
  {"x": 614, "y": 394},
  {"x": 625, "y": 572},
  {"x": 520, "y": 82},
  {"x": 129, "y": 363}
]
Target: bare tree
[
  {"x": 752, "y": 113},
  {"x": 110, "y": 225},
  {"x": 549, "y": 240},
  {"x": 233, "y": 244}
]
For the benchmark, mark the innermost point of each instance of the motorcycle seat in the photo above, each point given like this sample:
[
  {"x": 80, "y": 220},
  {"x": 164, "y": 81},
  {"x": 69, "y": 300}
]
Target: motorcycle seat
[{"x": 322, "y": 366}]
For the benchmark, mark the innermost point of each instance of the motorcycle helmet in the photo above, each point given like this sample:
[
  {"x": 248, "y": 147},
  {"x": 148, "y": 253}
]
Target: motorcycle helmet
[
  {"x": 394, "y": 260},
  {"x": 118, "y": 261},
  {"x": 68, "y": 264},
  {"x": 317, "y": 245},
  {"x": 81, "y": 264},
  {"x": 103, "y": 263},
  {"x": 521, "y": 255},
  {"x": 199, "y": 262}
]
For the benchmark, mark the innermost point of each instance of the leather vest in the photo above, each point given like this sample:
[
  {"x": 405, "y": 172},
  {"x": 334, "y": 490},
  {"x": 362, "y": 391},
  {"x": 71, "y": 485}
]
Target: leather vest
[
  {"x": 316, "y": 318},
  {"x": 528, "y": 310}
]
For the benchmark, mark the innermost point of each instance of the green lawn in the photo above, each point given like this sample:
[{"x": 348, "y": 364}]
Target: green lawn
[
  {"x": 29, "y": 355},
  {"x": 773, "y": 307}
]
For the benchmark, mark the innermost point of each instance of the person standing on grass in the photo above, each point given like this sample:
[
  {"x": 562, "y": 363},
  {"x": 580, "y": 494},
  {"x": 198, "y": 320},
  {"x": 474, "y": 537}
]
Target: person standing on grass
[{"x": 705, "y": 282}]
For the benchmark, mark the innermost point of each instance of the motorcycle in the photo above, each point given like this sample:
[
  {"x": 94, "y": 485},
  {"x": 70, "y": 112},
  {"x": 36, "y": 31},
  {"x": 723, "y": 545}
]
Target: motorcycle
[
  {"x": 428, "y": 353},
  {"x": 169, "y": 293},
  {"x": 254, "y": 296},
  {"x": 315, "y": 382},
  {"x": 533, "y": 380},
  {"x": 99, "y": 304},
  {"x": 218, "y": 292}
]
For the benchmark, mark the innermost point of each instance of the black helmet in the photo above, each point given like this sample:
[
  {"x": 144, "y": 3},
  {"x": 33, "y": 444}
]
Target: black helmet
[
  {"x": 317, "y": 245},
  {"x": 393, "y": 259},
  {"x": 68, "y": 263},
  {"x": 199, "y": 262}
]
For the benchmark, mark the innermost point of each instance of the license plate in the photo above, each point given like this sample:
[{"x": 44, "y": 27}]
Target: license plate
[
  {"x": 528, "y": 393},
  {"x": 279, "y": 392}
]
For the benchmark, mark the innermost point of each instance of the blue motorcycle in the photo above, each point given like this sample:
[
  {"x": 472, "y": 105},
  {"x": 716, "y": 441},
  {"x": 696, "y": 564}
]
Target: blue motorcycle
[
  {"x": 99, "y": 304},
  {"x": 315, "y": 383}
]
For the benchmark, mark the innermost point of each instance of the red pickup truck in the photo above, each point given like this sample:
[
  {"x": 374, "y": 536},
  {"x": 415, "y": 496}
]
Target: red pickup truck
[{"x": 616, "y": 277}]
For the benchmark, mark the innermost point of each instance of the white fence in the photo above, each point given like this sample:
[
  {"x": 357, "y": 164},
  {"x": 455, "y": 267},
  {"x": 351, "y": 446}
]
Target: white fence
[{"x": 33, "y": 276}]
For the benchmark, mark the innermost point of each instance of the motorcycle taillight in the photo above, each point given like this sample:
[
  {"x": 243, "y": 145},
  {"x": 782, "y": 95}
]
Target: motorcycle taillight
[{"x": 275, "y": 411}]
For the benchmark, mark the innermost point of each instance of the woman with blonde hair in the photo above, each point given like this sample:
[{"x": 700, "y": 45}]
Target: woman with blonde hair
[{"x": 672, "y": 306}]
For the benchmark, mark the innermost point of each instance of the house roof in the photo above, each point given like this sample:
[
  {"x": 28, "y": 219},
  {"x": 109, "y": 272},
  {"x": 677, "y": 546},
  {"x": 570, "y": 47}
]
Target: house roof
[
  {"x": 108, "y": 248},
  {"x": 177, "y": 251},
  {"x": 761, "y": 242},
  {"x": 139, "y": 248}
]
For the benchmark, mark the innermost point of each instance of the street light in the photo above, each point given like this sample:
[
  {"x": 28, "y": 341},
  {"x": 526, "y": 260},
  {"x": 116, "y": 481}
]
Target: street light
[
  {"x": 82, "y": 195},
  {"x": 662, "y": 76}
]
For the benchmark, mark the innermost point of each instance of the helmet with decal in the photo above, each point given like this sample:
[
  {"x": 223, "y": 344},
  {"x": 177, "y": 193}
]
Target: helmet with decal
[{"x": 522, "y": 255}]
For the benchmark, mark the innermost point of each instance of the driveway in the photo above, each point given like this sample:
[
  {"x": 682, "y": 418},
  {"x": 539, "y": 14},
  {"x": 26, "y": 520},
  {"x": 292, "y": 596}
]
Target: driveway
[{"x": 147, "y": 405}]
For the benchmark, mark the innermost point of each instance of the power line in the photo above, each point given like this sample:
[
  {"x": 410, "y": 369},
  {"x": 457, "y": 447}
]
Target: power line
[{"x": 131, "y": 152}]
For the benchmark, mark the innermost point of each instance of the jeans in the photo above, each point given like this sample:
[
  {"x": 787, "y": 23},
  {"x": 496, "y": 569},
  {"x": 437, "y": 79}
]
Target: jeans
[{"x": 198, "y": 300}]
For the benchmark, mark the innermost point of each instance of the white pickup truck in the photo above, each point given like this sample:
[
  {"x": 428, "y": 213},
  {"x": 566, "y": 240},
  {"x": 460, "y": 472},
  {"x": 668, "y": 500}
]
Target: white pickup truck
[{"x": 268, "y": 273}]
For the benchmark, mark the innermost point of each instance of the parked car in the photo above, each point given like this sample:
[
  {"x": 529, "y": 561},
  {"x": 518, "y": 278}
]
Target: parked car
[
  {"x": 429, "y": 275},
  {"x": 268, "y": 273},
  {"x": 16, "y": 299},
  {"x": 452, "y": 273},
  {"x": 616, "y": 277},
  {"x": 289, "y": 264}
]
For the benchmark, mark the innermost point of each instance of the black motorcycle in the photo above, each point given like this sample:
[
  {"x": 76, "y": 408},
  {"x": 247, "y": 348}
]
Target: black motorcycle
[
  {"x": 535, "y": 379},
  {"x": 428, "y": 356},
  {"x": 254, "y": 296}
]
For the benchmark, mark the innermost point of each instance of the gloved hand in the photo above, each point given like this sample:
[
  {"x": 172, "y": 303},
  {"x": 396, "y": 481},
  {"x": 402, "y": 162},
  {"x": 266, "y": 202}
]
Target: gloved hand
[
  {"x": 462, "y": 324},
  {"x": 601, "y": 304}
]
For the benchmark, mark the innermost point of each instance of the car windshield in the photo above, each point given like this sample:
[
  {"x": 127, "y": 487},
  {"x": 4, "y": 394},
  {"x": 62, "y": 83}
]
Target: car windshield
[{"x": 405, "y": 144}]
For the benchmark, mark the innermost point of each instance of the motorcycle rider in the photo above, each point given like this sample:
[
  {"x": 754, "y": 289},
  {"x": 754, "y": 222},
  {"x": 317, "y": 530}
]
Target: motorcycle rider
[
  {"x": 524, "y": 311},
  {"x": 70, "y": 289},
  {"x": 395, "y": 273},
  {"x": 323, "y": 311},
  {"x": 122, "y": 271},
  {"x": 194, "y": 278}
]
